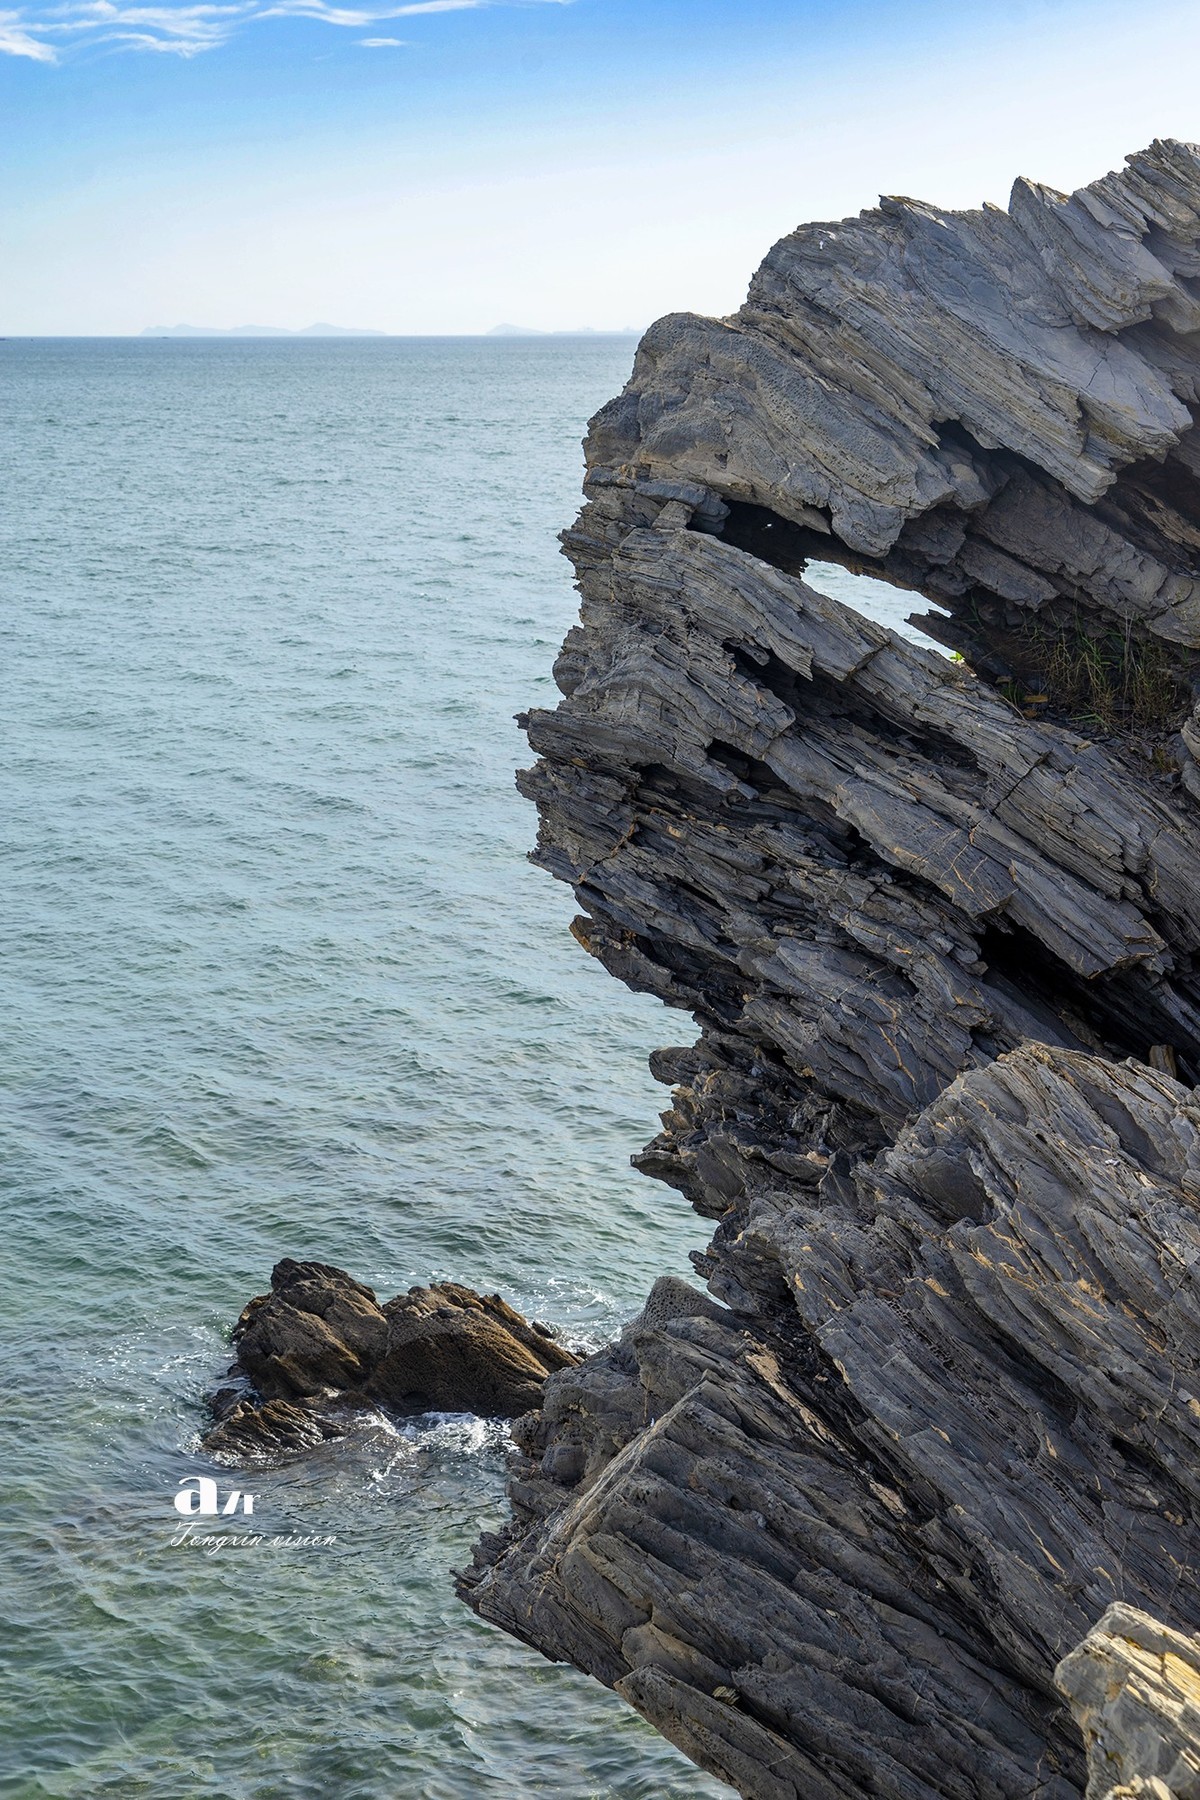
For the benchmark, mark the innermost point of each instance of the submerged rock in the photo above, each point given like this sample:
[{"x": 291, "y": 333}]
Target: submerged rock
[
  {"x": 833, "y": 1529},
  {"x": 319, "y": 1347}
]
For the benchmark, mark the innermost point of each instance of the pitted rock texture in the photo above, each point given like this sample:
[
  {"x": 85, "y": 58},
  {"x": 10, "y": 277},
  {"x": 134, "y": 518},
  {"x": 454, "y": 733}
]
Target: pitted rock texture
[
  {"x": 319, "y": 1345},
  {"x": 938, "y": 922},
  {"x": 1134, "y": 1687}
]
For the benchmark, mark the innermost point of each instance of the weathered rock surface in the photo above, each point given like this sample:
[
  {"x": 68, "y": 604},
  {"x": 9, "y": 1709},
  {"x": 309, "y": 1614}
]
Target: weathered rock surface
[
  {"x": 1134, "y": 1687},
  {"x": 832, "y": 1529},
  {"x": 319, "y": 1345}
]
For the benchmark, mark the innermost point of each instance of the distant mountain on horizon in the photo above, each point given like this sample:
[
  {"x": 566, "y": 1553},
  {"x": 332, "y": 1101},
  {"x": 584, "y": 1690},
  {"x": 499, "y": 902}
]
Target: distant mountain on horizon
[
  {"x": 579, "y": 331},
  {"x": 234, "y": 331}
]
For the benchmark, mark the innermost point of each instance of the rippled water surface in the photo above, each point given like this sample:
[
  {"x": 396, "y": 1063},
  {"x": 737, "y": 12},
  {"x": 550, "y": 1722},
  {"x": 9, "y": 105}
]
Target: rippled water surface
[{"x": 278, "y": 981}]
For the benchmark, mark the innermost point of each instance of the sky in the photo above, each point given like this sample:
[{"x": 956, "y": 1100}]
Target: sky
[{"x": 448, "y": 165}]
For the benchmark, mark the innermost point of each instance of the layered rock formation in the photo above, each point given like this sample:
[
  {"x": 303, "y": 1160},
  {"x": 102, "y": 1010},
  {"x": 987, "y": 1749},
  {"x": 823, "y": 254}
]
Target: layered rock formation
[
  {"x": 319, "y": 1346},
  {"x": 938, "y": 921}
]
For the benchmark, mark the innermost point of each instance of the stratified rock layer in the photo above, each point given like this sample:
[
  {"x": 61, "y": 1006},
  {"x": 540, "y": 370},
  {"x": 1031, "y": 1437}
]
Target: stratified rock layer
[{"x": 938, "y": 922}]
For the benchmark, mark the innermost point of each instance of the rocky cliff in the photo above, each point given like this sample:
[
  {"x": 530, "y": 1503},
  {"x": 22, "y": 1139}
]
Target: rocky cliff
[{"x": 937, "y": 919}]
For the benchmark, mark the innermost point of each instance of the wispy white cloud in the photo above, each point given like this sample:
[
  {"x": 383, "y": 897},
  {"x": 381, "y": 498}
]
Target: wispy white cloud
[
  {"x": 179, "y": 30},
  {"x": 15, "y": 40},
  {"x": 43, "y": 33},
  {"x": 316, "y": 9},
  {"x": 433, "y": 6}
]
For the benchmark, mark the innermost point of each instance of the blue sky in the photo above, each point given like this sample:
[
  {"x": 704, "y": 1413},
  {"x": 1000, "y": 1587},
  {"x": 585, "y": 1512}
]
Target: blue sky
[{"x": 445, "y": 166}]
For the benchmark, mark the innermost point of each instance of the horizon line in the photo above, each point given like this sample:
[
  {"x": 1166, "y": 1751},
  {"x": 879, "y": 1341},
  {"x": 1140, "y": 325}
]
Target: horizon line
[{"x": 275, "y": 337}]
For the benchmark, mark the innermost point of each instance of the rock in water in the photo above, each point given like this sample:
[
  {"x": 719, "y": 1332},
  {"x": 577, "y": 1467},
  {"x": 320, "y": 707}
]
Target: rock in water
[
  {"x": 319, "y": 1346},
  {"x": 317, "y": 1331},
  {"x": 450, "y": 1349},
  {"x": 938, "y": 921}
]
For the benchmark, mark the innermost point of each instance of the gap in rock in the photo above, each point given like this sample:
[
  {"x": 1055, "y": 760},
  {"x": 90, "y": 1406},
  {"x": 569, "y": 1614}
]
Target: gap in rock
[
  {"x": 884, "y": 602},
  {"x": 823, "y": 563},
  {"x": 1153, "y": 505},
  {"x": 817, "y": 699},
  {"x": 1115, "y": 1016},
  {"x": 1065, "y": 660}
]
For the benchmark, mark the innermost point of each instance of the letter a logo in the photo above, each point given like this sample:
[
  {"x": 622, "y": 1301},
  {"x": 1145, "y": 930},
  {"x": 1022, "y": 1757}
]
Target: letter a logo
[{"x": 199, "y": 1499}]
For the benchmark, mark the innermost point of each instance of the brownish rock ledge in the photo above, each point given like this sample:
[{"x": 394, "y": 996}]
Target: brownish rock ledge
[
  {"x": 833, "y": 1528},
  {"x": 319, "y": 1347}
]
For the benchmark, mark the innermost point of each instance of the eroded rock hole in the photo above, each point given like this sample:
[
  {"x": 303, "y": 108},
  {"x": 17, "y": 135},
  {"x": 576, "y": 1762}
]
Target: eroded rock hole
[
  {"x": 867, "y": 585},
  {"x": 1043, "y": 640}
]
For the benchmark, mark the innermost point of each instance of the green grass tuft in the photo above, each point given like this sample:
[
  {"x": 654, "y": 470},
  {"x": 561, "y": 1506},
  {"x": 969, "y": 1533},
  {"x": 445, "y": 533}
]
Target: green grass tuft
[{"x": 1107, "y": 678}]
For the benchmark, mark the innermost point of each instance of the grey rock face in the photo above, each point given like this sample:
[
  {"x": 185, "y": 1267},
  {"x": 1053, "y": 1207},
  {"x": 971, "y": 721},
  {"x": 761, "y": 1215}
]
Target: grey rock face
[{"x": 832, "y": 1529}]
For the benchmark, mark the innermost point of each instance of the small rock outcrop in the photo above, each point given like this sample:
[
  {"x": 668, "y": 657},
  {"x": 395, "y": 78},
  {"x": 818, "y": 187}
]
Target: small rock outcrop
[
  {"x": 1134, "y": 1687},
  {"x": 833, "y": 1526},
  {"x": 319, "y": 1346}
]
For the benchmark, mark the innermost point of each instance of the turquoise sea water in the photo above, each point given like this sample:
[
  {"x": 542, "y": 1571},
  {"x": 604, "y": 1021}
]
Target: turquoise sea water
[{"x": 278, "y": 981}]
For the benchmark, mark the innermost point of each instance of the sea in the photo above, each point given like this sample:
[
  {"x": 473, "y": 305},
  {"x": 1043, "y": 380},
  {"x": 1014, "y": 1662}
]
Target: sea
[{"x": 279, "y": 981}]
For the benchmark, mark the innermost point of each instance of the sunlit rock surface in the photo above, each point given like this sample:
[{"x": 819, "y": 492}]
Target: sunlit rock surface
[{"x": 1134, "y": 1687}]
